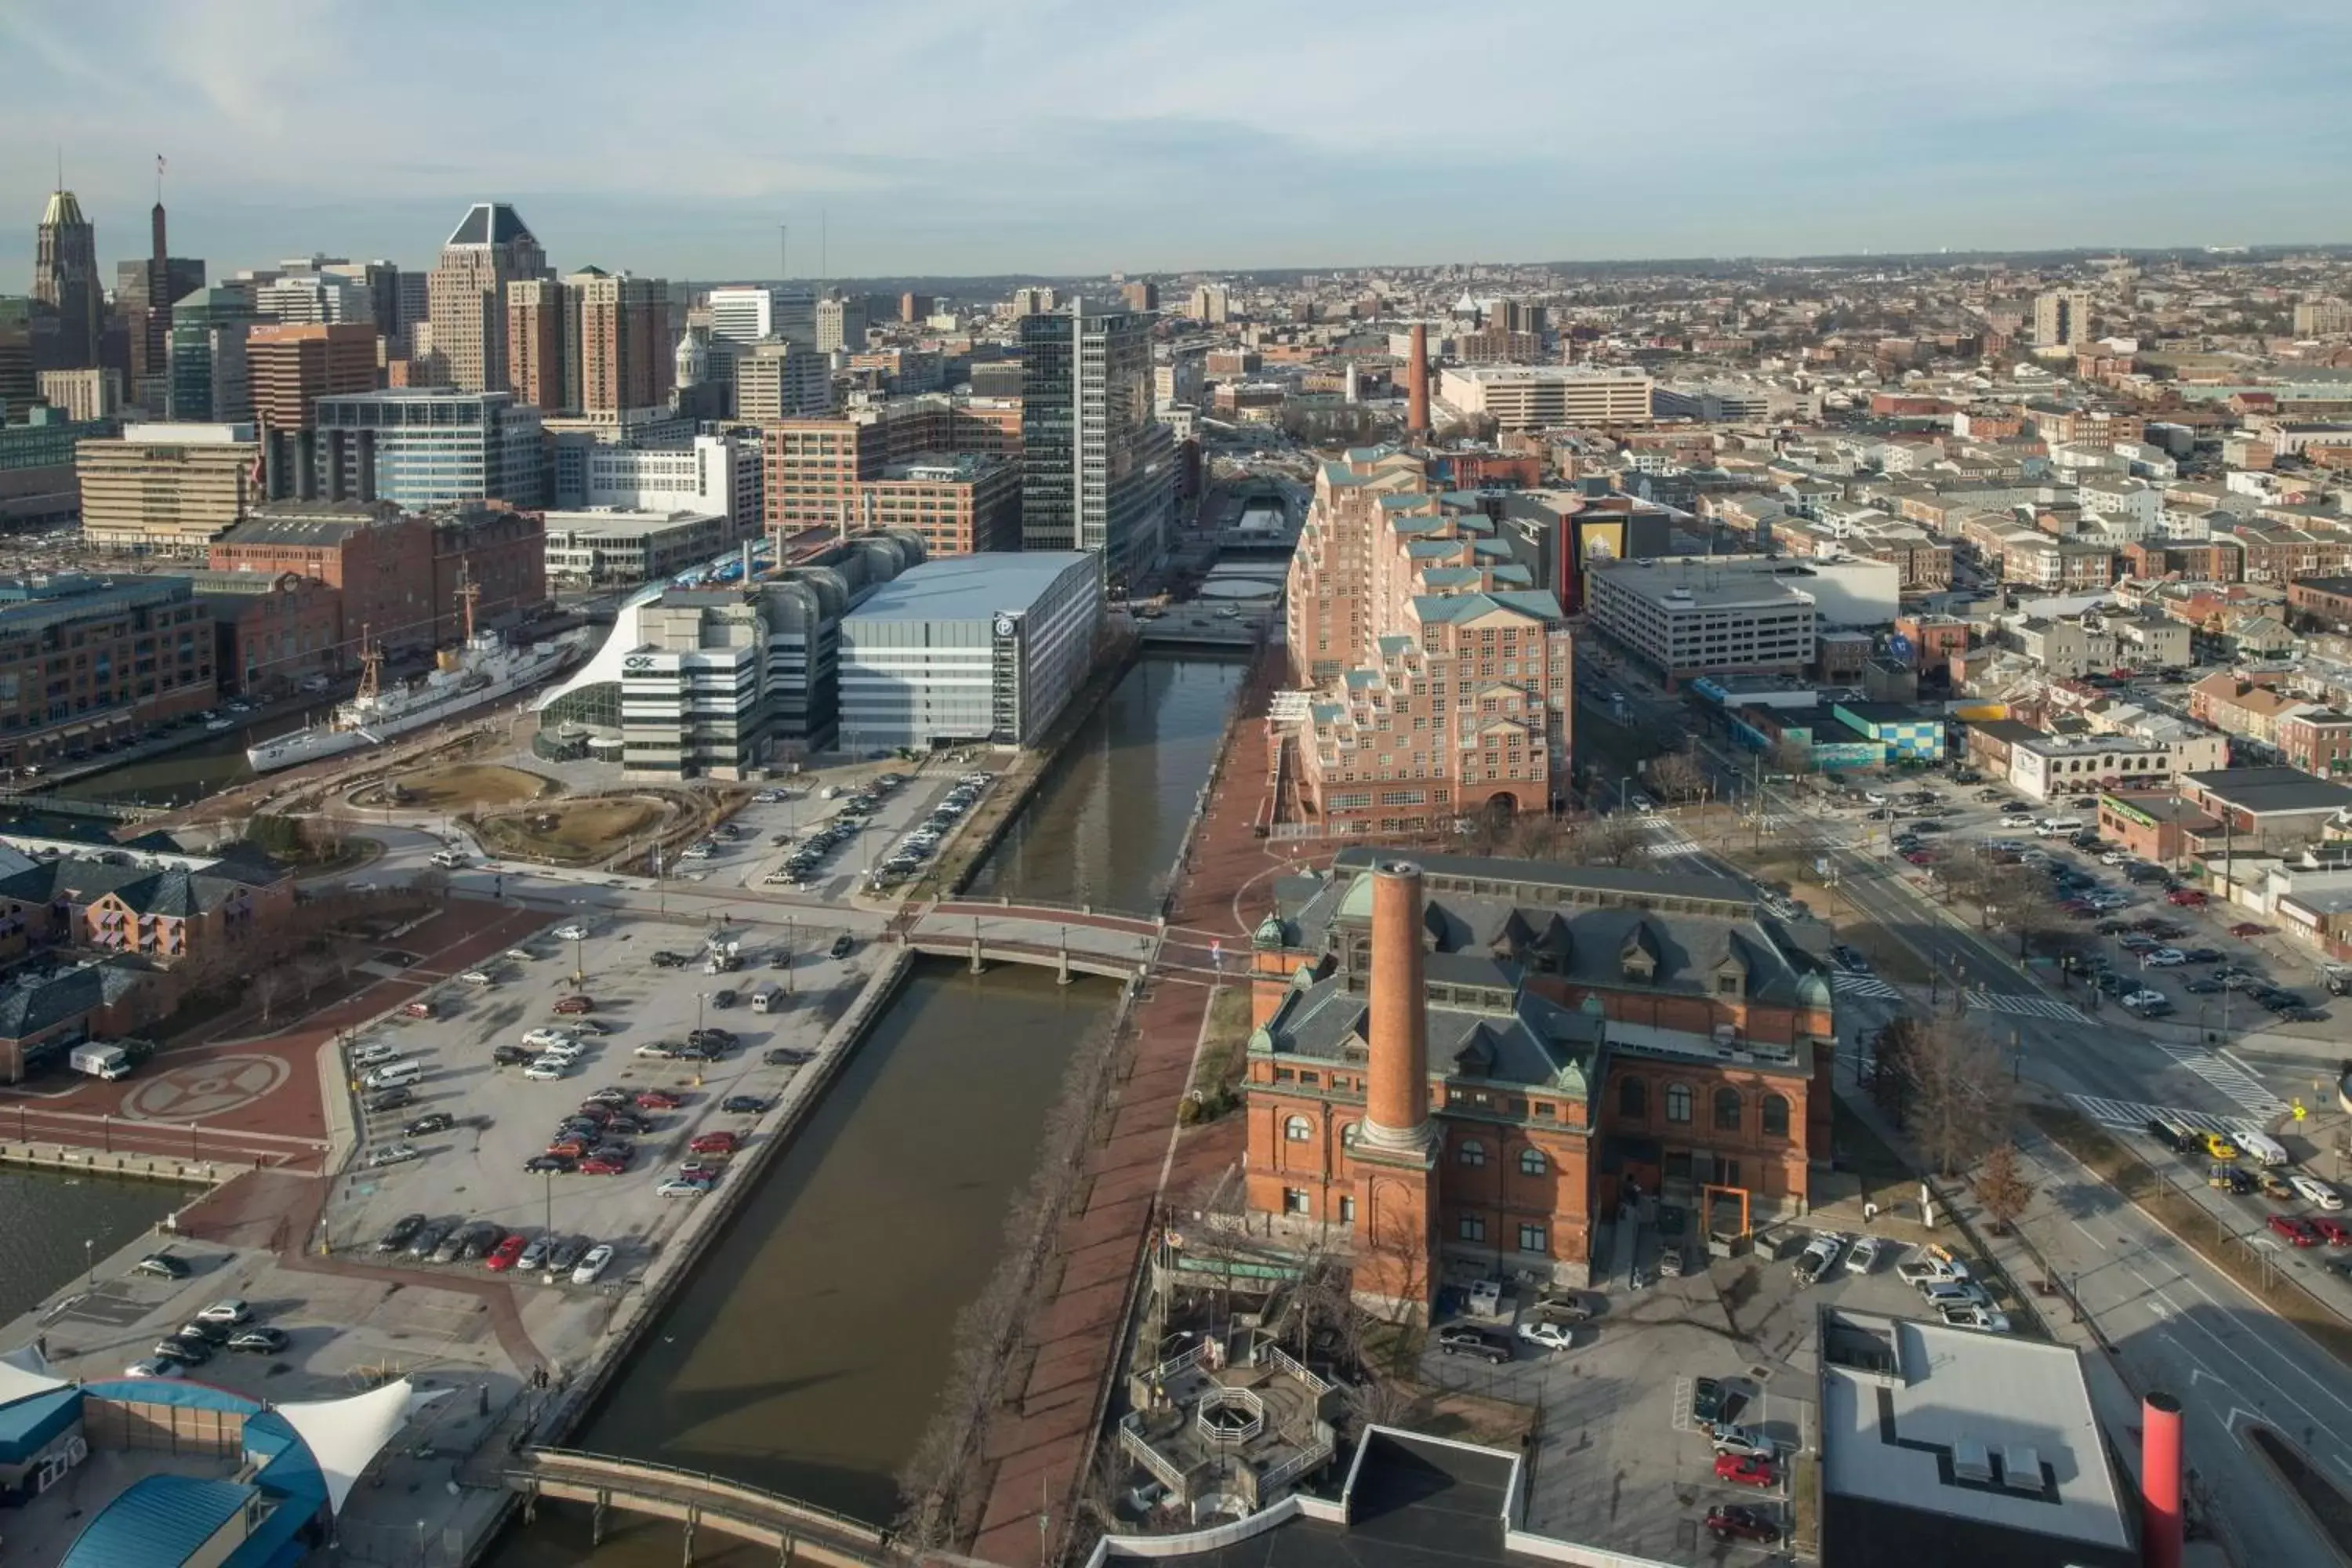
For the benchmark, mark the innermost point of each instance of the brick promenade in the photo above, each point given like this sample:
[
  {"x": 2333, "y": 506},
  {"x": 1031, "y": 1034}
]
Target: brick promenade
[{"x": 1045, "y": 1430}]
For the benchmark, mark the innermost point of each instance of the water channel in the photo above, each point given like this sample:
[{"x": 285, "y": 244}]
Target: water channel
[{"x": 806, "y": 1354}]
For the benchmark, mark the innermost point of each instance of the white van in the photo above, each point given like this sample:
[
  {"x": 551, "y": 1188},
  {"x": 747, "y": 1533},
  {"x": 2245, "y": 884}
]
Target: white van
[
  {"x": 448, "y": 859},
  {"x": 2057, "y": 826},
  {"x": 395, "y": 1075},
  {"x": 2268, "y": 1151},
  {"x": 768, "y": 998}
]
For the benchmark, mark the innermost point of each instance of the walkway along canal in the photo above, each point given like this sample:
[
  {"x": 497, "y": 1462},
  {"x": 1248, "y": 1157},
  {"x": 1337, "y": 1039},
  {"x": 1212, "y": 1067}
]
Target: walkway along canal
[{"x": 807, "y": 1353}]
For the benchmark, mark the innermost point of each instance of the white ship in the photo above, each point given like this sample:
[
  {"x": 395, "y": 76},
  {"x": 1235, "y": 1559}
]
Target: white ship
[{"x": 481, "y": 670}]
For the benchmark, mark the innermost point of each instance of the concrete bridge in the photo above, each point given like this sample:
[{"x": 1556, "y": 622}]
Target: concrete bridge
[
  {"x": 798, "y": 1531},
  {"x": 1069, "y": 940}
]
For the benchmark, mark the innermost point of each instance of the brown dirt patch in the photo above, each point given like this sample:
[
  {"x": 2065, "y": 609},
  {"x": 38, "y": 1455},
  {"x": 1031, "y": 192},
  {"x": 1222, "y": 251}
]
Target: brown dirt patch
[
  {"x": 575, "y": 831},
  {"x": 470, "y": 787}
]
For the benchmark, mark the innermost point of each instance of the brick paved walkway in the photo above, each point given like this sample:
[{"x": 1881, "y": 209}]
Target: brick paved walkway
[{"x": 1076, "y": 1336}]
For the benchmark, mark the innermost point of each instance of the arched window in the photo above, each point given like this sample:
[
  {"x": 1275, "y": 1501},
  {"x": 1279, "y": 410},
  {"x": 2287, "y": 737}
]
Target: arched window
[
  {"x": 1727, "y": 1111},
  {"x": 1349, "y": 1132},
  {"x": 1532, "y": 1162},
  {"x": 1299, "y": 1129},
  {"x": 1634, "y": 1100},
  {"x": 1678, "y": 1102},
  {"x": 1473, "y": 1153},
  {"x": 1776, "y": 1116}
]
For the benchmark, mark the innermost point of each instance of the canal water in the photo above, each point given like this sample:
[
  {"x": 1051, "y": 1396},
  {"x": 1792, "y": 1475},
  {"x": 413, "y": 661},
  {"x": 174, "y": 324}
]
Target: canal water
[
  {"x": 1108, "y": 815},
  {"x": 807, "y": 1353},
  {"x": 46, "y": 1219}
]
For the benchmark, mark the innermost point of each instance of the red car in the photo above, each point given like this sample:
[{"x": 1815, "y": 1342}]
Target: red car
[
  {"x": 658, "y": 1099},
  {"x": 2294, "y": 1229},
  {"x": 2187, "y": 898},
  {"x": 1742, "y": 1470},
  {"x": 2249, "y": 928},
  {"x": 1732, "y": 1521},
  {"x": 603, "y": 1165},
  {"x": 700, "y": 1170},
  {"x": 503, "y": 1256},
  {"x": 1917, "y": 857},
  {"x": 715, "y": 1143},
  {"x": 2331, "y": 1229},
  {"x": 568, "y": 1148},
  {"x": 576, "y": 1005}
]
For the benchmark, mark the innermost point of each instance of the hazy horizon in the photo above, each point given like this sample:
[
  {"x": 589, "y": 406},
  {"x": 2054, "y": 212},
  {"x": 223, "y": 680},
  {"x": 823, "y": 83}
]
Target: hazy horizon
[{"x": 1051, "y": 139}]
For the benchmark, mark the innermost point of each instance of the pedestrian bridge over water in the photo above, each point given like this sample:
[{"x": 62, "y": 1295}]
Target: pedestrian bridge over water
[{"x": 798, "y": 1531}]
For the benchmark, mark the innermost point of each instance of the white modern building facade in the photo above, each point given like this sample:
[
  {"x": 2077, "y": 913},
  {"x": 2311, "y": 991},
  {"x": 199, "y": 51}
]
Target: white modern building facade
[
  {"x": 620, "y": 549},
  {"x": 1683, "y": 620},
  {"x": 985, "y": 647},
  {"x": 712, "y": 474},
  {"x": 1540, "y": 396},
  {"x": 428, "y": 447}
]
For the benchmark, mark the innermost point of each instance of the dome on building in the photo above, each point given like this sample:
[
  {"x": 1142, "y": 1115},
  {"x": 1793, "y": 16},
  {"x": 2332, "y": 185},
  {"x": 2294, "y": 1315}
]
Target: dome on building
[
  {"x": 694, "y": 357},
  {"x": 1812, "y": 991},
  {"x": 1270, "y": 933}
]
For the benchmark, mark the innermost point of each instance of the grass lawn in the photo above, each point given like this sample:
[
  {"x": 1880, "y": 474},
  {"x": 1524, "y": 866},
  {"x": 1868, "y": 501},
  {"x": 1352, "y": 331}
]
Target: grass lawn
[{"x": 468, "y": 786}]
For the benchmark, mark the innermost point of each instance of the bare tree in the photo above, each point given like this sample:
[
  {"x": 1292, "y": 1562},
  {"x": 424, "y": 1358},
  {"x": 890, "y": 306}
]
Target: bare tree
[
  {"x": 1959, "y": 1095},
  {"x": 1609, "y": 841},
  {"x": 2002, "y": 1187},
  {"x": 1678, "y": 776},
  {"x": 267, "y": 984}
]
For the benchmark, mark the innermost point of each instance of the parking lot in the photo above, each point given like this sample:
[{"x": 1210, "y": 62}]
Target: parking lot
[
  {"x": 834, "y": 840},
  {"x": 490, "y": 1162},
  {"x": 1618, "y": 1461}
]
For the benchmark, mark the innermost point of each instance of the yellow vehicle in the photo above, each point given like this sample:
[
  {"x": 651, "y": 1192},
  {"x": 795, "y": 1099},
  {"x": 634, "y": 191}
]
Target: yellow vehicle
[{"x": 2221, "y": 1148}]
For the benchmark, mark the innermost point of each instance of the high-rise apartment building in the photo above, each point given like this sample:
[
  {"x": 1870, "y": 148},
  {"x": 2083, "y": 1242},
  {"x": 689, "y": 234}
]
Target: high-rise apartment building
[
  {"x": 535, "y": 350},
  {"x": 1210, "y": 303},
  {"x": 777, "y": 378},
  {"x": 1035, "y": 300},
  {"x": 1139, "y": 295},
  {"x": 312, "y": 298},
  {"x": 1098, "y": 469},
  {"x": 914, "y": 309},
  {"x": 293, "y": 366},
  {"x": 1442, "y": 672},
  {"x": 841, "y": 324},
  {"x": 820, "y": 472},
  {"x": 2062, "y": 318},
  {"x": 617, "y": 334},
  {"x": 2322, "y": 319},
  {"x": 211, "y": 379},
  {"x": 166, "y": 489},
  {"x": 467, "y": 295},
  {"x": 66, "y": 279},
  {"x": 744, "y": 315},
  {"x": 430, "y": 446}
]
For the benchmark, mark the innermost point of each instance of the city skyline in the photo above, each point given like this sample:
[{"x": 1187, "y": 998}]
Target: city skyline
[{"x": 1051, "y": 140}]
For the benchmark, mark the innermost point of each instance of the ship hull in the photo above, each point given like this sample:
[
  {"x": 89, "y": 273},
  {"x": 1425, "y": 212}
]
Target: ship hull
[{"x": 310, "y": 745}]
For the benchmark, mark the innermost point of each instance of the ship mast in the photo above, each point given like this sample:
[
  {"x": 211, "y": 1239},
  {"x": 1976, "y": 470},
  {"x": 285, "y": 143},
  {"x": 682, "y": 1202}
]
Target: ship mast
[
  {"x": 370, "y": 667},
  {"x": 468, "y": 594}
]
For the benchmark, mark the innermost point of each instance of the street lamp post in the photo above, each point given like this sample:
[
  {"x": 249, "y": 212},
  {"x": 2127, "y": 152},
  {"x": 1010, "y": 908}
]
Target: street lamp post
[
  {"x": 549, "y": 1177},
  {"x": 89, "y": 1263}
]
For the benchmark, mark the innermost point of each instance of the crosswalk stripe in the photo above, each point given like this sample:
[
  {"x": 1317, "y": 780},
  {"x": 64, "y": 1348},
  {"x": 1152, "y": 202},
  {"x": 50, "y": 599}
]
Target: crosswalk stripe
[
  {"x": 2133, "y": 1116},
  {"x": 1863, "y": 986},
  {"x": 2229, "y": 1076},
  {"x": 2025, "y": 1006}
]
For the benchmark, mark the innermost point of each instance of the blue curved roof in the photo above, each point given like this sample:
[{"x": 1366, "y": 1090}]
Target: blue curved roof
[{"x": 159, "y": 1520}]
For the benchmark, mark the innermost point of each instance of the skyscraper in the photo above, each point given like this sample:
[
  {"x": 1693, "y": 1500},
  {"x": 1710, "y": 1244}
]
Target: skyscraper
[
  {"x": 535, "y": 343},
  {"x": 291, "y": 368},
  {"x": 211, "y": 381},
  {"x": 841, "y": 324},
  {"x": 1098, "y": 469},
  {"x": 467, "y": 295},
  {"x": 618, "y": 334},
  {"x": 65, "y": 278}
]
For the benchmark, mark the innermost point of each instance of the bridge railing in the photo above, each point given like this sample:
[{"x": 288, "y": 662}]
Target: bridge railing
[{"x": 577, "y": 1464}]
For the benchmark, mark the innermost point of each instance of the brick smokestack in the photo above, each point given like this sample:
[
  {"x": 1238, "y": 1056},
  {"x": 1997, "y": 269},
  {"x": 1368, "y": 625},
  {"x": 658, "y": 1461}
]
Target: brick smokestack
[
  {"x": 1397, "y": 1108},
  {"x": 1417, "y": 383},
  {"x": 2161, "y": 1531}
]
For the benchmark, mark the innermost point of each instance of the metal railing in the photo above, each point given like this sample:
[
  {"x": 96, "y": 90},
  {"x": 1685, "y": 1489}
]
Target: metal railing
[
  {"x": 1282, "y": 1361},
  {"x": 552, "y": 1464},
  {"x": 1316, "y": 1453},
  {"x": 1140, "y": 1448}
]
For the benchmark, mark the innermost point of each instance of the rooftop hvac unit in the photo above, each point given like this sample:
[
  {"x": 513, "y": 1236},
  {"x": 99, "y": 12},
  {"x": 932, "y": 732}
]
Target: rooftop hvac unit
[
  {"x": 1971, "y": 1461},
  {"x": 2021, "y": 1468}
]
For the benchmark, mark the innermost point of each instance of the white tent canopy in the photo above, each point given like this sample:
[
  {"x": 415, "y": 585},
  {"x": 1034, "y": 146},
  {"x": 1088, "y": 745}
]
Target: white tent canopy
[
  {"x": 346, "y": 1434},
  {"x": 25, "y": 1372}
]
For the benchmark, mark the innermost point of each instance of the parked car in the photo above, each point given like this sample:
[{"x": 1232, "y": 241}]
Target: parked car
[
  {"x": 546, "y": 1070},
  {"x": 683, "y": 1187},
  {"x": 1729, "y": 1437},
  {"x": 715, "y": 1143},
  {"x": 259, "y": 1342},
  {"x": 2331, "y": 1230},
  {"x": 431, "y": 1122},
  {"x": 2318, "y": 1192},
  {"x": 548, "y": 1034},
  {"x": 164, "y": 1265},
  {"x": 843, "y": 945},
  {"x": 658, "y": 1099},
  {"x": 2296, "y": 1231},
  {"x": 1710, "y": 1401},
  {"x": 1731, "y": 1521},
  {"x": 1745, "y": 1471},
  {"x": 1821, "y": 1255},
  {"x": 743, "y": 1105},
  {"x": 575, "y": 931},
  {"x": 1465, "y": 1339},
  {"x": 575, "y": 1004},
  {"x": 504, "y": 1255},
  {"x": 1973, "y": 1315},
  {"x": 1864, "y": 1255},
  {"x": 539, "y": 1164},
  {"x": 1551, "y": 1336},
  {"x": 397, "y": 1234},
  {"x": 429, "y": 1238},
  {"x": 592, "y": 1266},
  {"x": 229, "y": 1311},
  {"x": 603, "y": 1164},
  {"x": 156, "y": 1366}
]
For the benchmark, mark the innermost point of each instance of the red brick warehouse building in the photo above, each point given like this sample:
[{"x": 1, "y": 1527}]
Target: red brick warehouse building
[{"x": 1457, "y": 1064}]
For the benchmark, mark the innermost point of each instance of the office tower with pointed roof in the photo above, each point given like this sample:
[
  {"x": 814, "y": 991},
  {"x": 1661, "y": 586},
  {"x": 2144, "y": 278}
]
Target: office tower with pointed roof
[
  {"x": 467, "y": 295},
  {"x": 65, "y": 278}
]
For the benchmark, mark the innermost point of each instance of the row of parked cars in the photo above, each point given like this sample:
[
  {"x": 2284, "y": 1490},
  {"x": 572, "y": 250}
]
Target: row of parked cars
[
  {"x": 222, "y": 1326},
  {"x": 808, "y": 856},
  {"x": 424, "y": 1240},
  {"x": 924, "y": 840}
]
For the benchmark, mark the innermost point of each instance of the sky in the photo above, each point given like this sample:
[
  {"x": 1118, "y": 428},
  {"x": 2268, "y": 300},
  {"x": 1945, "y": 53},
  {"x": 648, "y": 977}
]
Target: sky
[{"x": 945, "y": 137}]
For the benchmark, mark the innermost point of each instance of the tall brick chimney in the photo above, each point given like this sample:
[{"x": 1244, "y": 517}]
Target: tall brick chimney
[
  {"x": 2160, "y": 1533},
  {"x": 1417, "y": 383},
  {"x": 1397, "y": 1103}
]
